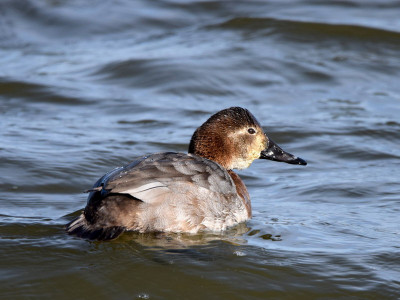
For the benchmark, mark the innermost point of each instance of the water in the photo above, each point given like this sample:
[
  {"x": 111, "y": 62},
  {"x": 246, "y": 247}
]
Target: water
[{"x": 87, "y": 87}]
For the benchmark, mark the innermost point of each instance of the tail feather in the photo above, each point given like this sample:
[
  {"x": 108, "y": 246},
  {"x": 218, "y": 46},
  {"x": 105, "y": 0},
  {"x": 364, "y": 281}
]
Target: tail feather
[{"x": 81, "y": 228}]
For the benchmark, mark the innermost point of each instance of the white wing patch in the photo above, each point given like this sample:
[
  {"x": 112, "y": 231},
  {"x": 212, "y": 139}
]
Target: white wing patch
[{"x": 150, "y": 192}]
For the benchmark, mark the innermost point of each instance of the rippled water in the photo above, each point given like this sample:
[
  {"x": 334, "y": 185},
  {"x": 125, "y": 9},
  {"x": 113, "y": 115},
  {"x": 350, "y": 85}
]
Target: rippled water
[{"x": 87, "y": 87}]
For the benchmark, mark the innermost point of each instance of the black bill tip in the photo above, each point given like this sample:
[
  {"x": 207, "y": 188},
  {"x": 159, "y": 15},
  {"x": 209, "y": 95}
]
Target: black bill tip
[{"x": 297, "y": 161}]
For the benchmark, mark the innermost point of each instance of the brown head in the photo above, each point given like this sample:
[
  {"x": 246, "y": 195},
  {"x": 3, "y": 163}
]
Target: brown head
[{"x": 234, "y": 139}]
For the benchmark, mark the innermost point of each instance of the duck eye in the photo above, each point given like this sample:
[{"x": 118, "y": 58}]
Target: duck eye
[{"x": 251, "y": 131}]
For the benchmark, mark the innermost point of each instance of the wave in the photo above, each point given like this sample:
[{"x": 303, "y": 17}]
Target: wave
[{"x": 315, "y": 31}]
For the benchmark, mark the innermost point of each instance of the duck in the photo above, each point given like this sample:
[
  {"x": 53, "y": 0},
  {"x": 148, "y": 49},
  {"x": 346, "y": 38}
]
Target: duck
[{"x": 172, "y": 192}]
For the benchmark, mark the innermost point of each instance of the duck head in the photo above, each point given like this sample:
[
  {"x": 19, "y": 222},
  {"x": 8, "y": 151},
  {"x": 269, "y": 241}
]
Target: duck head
[{"x": 234, "y": 139}]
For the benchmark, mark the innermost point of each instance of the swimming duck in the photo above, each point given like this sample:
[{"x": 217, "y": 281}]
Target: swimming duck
[{"x": 179, "y": 192}]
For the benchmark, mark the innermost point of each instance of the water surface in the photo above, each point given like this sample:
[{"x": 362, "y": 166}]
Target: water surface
[{"x": 85, "y": 88}]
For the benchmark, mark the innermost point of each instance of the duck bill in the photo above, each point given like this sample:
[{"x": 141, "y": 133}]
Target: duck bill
[{"x": 274, "y": 152}]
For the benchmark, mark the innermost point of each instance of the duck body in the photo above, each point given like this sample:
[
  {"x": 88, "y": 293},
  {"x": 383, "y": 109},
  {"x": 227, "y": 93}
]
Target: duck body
[
  {"x": 179, "y": 192},
  {"x": 164, "y": 192}
]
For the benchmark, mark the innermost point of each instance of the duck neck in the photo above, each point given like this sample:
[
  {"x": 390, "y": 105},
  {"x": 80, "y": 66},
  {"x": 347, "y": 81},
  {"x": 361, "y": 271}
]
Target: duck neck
[
  {"x": 211, "y": 146},
  {"x": 242, "y": 191}
]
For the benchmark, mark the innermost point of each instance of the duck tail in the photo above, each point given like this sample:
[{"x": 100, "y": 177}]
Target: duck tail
[{"x": 80, "y": 227}]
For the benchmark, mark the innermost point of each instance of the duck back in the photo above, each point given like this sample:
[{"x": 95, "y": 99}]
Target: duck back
[{"x": 165, "y": 192}]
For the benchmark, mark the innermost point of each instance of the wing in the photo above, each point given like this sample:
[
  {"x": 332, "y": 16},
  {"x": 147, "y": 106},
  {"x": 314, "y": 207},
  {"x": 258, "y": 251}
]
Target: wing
[{"x": 155, "y": 177}]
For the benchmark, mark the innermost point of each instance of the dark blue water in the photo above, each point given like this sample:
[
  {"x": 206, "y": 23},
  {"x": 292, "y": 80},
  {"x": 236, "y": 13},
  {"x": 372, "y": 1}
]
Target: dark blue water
[{"x": 86, "y": 87}]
